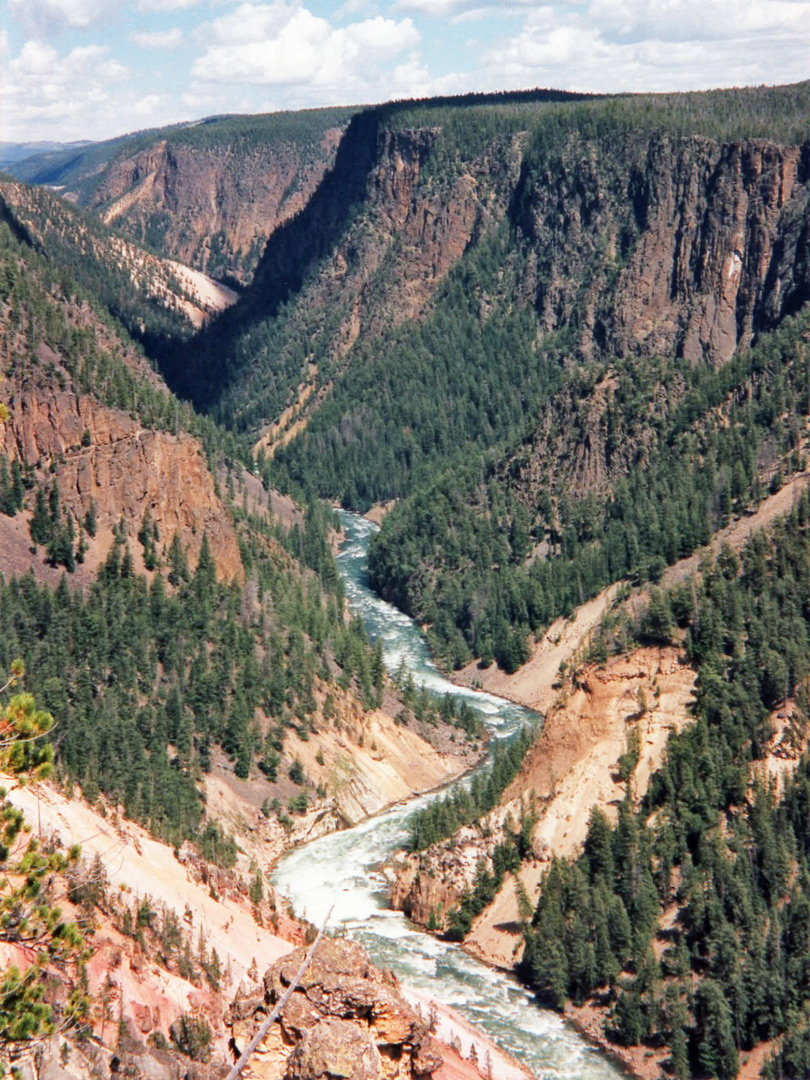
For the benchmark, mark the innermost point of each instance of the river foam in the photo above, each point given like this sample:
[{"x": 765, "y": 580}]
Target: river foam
[{"x": 342, "y": 869}]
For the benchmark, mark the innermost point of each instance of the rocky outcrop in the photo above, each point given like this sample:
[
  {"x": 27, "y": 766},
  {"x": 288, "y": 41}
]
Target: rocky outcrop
[
  {"x": 671, "y": 248},
  {"x": 370, "y": 248},
  {"x": 660, "y": 246},
  {"x": 427, "y": 888},
  {"x": 346, "y": 1020},
  {"x": 717, "y": 258}
]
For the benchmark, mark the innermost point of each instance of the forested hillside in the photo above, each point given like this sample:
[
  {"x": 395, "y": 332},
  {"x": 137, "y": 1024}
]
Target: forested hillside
[
  {"x": 143, "y": 293},
  {"x": 173, "y": 615},
  {"x": 507, "y": 239},
  {"x": 553, "y": 363},
  {"x": 714, "y": 841},
  {"x": 491, "y": 553}
]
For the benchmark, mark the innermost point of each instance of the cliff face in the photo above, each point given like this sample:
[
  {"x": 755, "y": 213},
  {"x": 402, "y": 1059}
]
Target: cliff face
[
  {"x": 69, "y": 371},
  {"x": 366, "y": 254},
  {"x": 101, "y": 455},
  {"x": 628, "y": 245},
  {"x": 211, "y": 207},
  {"x": 662, "y": 246},
  {"x": 716, "y": 240},
  {"x": 668, "y": 246},
  {"x": 407, "y": 227},
  {"x": 723, "y": 253}
]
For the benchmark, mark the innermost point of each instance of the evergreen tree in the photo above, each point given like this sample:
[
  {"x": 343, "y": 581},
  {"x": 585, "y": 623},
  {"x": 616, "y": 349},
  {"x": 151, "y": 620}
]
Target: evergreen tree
[
  {"x": 178, "y": 564},
  {"x": 40, "y": 523}
]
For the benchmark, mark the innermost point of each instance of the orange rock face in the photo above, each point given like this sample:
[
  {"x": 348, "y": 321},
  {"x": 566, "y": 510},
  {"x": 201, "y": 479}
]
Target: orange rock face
[{"x": 102, "y": 454}]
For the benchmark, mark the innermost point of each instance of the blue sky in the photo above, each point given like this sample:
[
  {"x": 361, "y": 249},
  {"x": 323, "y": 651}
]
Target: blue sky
[{"x": 74, "y": 69}]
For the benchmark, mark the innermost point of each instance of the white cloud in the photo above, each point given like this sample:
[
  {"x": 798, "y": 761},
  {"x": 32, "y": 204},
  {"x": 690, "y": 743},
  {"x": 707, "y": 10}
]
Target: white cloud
[
  {"x": 45, "y": 16},
  {"x": 61, "y": 95},
  {"x": 166, "y": 5},
  {"x": 271, "y": 54},
  {"x": 355, "y": 7},
  {"x": 411, "y": 79},
  {"x": 462, "y": 10},
  {"x": 616, "y": 45},
  {"x": 285, "y": 46},
  {"x": 159, "y": 39},
  {"x": 684, "y": 20}
]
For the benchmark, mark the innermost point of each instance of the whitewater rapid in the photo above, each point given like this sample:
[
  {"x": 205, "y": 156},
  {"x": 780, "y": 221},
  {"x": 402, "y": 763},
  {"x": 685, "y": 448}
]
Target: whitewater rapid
[{"x": 342, "y": 870}]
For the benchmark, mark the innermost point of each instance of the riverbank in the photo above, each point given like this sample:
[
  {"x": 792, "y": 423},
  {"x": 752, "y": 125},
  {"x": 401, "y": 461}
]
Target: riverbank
[
  {"x": 638, "y": 1062},
  {"x": 342, "y": 869},
  {"x": 472, "y": 1047},
  {"x": 573, "y": 766}
]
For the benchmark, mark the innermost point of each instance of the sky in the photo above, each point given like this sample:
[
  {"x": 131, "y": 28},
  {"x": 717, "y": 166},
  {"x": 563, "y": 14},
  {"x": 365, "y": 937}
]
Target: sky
[{"x": 93, "y": 69}]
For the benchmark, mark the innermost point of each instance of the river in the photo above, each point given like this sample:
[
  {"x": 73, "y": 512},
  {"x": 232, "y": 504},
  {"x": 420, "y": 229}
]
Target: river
[{"x": 342, "y": 869}]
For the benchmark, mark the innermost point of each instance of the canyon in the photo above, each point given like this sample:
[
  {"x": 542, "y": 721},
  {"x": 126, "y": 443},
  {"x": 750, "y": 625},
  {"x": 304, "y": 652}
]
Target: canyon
[{"x": 560, "y": 344}]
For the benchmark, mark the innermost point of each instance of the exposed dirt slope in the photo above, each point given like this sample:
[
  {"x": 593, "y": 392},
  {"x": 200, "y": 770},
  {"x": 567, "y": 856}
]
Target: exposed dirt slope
[
  {"x": 139, "y": 865},
  {"x": 738, "y": 532},
  {"x": 136, "y": 997},
  {"x": 572, "y": 767},
  {"x": 362, "y": 761},
  {"x": 535, "y": 684}
]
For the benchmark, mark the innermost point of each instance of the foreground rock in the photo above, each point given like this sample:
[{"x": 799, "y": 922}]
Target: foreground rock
[{"x": 345, "y": 1020}]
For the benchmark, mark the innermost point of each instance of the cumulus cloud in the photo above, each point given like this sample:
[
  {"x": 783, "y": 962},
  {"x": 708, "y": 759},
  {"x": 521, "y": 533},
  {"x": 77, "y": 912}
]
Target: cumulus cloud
[
  {"x": 684, "y": 20},
  {"x": 159, "y": 39},
  {"x": 166, "y": 5},
  {"x": 44, "y": 16},
  {"x": 262, "y": 55},
  {"x": 285, "y": 46},
  {"x": 63, "y": 94},
  {"x": 463, "y": 9},
  {"x": 615, "y": 45}
]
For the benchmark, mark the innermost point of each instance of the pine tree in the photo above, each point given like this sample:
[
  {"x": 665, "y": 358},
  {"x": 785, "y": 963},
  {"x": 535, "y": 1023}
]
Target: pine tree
[
  {"x": 178, "y": 564},
  {"x": 90, "y": 519},
  {"x": 714, "y": 1035},
  {"x": 40, "y": 523},
  {"x": 28, "y": 919},
  {"x": 599, "y": 847}
]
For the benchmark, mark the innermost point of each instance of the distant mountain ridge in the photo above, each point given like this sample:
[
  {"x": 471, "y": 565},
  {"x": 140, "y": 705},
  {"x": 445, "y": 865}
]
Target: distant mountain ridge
[{"x": 13, "y": 153}]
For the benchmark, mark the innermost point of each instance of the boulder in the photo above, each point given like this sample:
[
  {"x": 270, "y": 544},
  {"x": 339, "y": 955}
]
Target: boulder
[
  {"x": 346, "y": 1019},
  {"x": 339, "y": 1049}
]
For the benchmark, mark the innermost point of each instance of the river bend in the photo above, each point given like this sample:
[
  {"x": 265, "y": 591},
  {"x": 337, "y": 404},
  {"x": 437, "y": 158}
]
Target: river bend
[{"x": 342, "y": 869}]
